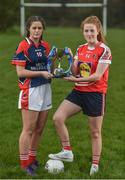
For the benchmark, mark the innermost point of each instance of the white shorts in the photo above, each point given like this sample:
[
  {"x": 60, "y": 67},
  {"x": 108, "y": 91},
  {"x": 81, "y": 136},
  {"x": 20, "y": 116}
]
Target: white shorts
[{"x": 36, "y": 98}]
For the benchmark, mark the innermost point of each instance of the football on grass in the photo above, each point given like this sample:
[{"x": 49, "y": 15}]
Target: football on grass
[{"x": 54, "y": 166}]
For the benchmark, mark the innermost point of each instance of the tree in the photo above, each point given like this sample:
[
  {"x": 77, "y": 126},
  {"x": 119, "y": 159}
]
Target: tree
[{"x": 9, "y": 13}]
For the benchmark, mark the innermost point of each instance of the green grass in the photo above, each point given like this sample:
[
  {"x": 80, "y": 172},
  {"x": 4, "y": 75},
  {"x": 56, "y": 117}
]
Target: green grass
[{"x": 112, "y": 164}]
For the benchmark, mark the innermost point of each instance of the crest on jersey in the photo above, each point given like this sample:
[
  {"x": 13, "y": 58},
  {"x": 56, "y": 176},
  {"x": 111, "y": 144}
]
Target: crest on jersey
[{"x": 85, "y": 69}]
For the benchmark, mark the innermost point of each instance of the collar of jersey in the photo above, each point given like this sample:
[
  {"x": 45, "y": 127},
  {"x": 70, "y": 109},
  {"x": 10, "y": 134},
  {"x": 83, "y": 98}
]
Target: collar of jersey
[{"x": 31, "y": 42}]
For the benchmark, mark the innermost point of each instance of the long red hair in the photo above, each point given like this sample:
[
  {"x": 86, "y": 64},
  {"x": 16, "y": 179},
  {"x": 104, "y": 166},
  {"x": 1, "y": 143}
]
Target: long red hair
[{"x": 94, "y": 20}]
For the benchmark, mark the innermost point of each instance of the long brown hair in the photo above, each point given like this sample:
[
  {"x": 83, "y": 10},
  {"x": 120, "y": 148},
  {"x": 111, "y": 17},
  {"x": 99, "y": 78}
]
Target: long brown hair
[
  {"x": 32, "y": 19},
  {"x": 94, "y": 20}
]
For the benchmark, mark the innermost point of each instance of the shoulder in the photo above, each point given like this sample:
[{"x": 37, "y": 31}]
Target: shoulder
[
  {"x": 24, "y": 42},
  {"x": 22, "y": 46},
  {"x": 81, "y": 47},
  {"x": 105, "y": 51},
  {"x": 46, "y": 45},
  {"x": 104, "y": 47}
]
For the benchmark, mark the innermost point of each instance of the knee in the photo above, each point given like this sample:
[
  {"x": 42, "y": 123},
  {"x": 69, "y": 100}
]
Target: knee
[
  {"x": 96, "y": 134},
  {"x": 58, "y": 120},
  {"x": 39, "y": 131},
  {"x": 27, "y": 132}
]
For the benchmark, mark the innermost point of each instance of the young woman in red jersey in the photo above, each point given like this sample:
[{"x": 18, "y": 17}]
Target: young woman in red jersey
[
  {"x": 90, "y": 75},
  {"x": 35, "y": 91}
]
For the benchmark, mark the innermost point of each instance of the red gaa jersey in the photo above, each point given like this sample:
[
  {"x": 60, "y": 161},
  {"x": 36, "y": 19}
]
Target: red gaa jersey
[{"x": 88, "y": 60}]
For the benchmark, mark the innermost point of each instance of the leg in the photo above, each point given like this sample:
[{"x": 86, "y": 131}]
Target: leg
[
  {"x": 42, "y": 118},
  {"x": 95, "y": 124},
  {"x": 29, "y": 122},
  {"x": 65, "y": 110}
]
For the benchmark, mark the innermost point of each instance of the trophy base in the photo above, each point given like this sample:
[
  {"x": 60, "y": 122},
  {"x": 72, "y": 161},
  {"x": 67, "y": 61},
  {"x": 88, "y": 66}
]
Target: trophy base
[{"x": 62, "y": 75}]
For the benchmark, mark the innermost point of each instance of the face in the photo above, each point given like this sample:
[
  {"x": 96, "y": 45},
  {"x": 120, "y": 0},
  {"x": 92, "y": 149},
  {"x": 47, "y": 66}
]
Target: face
[
  {"x": 36, "y": 30},
  {"x": 90, "y": 33}
]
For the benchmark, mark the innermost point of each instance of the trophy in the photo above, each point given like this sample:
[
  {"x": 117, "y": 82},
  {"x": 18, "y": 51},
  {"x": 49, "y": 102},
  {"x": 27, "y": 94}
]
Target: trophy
[{"x": 60, "y": 55}]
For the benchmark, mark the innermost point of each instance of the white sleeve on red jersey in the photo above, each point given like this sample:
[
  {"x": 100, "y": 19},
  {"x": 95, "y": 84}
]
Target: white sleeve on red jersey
[{"x": 106, "y": 56}]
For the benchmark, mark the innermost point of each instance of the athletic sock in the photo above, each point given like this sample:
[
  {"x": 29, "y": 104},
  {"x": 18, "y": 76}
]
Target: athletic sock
[
  {"x": 32, "y": 156},
  {"x": 23, "y": 160},
  {"x": 69, "y": 148},
  {"x": 95, "y": 159},
  {"x": 66, "y": 145}
]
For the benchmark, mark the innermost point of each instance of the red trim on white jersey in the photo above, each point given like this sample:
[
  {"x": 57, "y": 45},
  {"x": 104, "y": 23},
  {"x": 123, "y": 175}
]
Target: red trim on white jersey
[{"x": 25, "y": 99}]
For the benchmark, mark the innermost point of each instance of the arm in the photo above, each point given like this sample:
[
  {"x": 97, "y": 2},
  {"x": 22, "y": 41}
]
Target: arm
[
  {"x": 22, "y": 72},
  {"x": 101, "y": 68}
]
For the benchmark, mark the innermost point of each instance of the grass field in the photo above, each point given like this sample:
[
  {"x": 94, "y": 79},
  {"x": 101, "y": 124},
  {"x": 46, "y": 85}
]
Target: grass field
[{"x": 112, "y": 164}]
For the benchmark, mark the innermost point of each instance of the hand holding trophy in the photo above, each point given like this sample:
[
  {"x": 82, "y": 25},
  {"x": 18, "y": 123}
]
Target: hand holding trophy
[{"x": 60, "y": 54}]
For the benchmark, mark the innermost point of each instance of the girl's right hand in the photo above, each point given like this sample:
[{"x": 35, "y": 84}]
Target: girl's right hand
[{"x": 46, "y": 74}]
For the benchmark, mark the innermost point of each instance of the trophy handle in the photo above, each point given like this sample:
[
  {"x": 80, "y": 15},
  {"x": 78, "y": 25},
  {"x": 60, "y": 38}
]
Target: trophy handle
[{"x": 50, "y": 58}]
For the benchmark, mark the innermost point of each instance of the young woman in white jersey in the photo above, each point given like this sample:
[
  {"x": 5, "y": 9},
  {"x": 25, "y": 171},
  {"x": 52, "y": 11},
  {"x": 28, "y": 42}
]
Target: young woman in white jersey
[{"x": 90, "y": 75}]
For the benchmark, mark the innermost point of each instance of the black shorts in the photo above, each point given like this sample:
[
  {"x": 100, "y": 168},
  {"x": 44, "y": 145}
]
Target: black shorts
[{"x": 92, "y": 103}]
